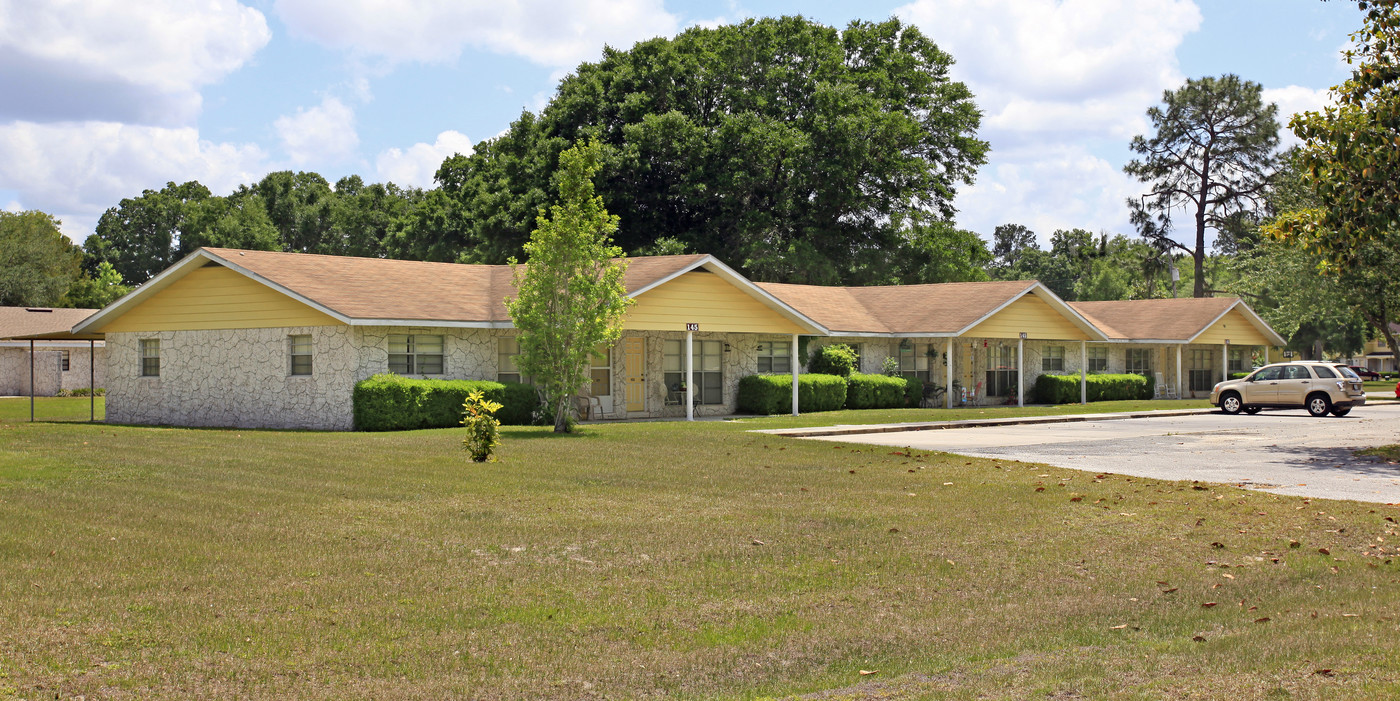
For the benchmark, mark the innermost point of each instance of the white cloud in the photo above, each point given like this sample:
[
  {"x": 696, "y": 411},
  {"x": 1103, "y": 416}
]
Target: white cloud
[
  {"x": 1059, "y": 187},
  {"x": 1292, "y": 100},
  {"x": 324, "y": 134},
  {"x": 547, "y": 32},
  {"x": 416, "y": 165},
  {"x": 66, "y": 60},
  {"x": 1061, "y": 84},
  {"x": 77, "y": 170}
]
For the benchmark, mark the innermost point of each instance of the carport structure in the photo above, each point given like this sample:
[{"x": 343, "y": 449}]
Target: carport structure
[
  {"x": 974, "y": 336},
  {"x": 1186, "y": 339},
  {"x": 46, "y": 330}
]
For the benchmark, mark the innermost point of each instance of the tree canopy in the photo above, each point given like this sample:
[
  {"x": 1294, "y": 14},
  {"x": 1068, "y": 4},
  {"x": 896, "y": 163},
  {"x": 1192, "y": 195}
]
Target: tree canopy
[
  {"x": 790, "y": 148},
  {"x": 37, "y": 262},
  {"x": 1211, "y": 156}
]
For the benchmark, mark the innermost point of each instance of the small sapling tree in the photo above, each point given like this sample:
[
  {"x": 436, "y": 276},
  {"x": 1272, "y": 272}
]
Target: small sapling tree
[{"x": 569, "y": 295}]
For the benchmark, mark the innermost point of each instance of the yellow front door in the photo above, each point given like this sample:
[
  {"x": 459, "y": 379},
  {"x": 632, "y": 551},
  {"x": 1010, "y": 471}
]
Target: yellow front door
[{"x": 634, "y": 362}]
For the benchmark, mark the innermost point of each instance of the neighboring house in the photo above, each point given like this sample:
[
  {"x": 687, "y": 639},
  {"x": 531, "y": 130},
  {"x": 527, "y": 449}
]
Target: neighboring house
[
  {"x": 263, "y": 339},
  {"x": 1188, "y": 344},
  {"x": 1377, "y": 356},
  {"x": 58, "y": 363}
]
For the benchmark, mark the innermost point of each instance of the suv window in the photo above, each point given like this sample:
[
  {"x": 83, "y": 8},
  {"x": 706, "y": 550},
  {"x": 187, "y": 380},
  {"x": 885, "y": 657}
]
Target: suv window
[
  {"x": 1297, "y": 372},
  {"x": 1348, "y": 373},
  {"x": 1324, "y": 371},
  {"x": 1269, "y": 373}
]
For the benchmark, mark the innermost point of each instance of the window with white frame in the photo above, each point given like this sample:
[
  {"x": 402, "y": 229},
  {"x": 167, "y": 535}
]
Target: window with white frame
[
  {"x": 507, "y": 357},
  {"x": 775, "y": 356},
  {"x": 913, "y": 360},
  {"x": 63, "y": 360},
  {"x": 859, "y": 348},
  {"x": 1140, "y": 361},
  {"x": 150, "y": 357},
  {"x": 299, "y": 354},
  {"x": 415, "y": 354},
  {"x": 1098, "y": 359},
  {"x": 601, "y": 372},
  {"x": 709, "y": 378},
  {"x": 1052, "y": 359}
]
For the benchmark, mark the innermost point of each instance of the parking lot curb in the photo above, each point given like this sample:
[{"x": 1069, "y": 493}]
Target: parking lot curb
[{"x": 845, "y": 430}]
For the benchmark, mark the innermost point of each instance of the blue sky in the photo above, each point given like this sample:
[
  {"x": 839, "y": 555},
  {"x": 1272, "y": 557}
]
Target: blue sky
[{"x": 107, "y": 99}]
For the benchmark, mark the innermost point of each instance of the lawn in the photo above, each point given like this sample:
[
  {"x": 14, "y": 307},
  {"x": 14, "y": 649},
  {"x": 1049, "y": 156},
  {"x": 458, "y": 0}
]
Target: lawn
[
  {"x": 52, "y": 408},
  {"x": 662, "y": 559}
]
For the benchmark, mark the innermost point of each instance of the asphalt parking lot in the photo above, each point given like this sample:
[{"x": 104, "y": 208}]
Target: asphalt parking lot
[{"x": 1286, "y": 452}]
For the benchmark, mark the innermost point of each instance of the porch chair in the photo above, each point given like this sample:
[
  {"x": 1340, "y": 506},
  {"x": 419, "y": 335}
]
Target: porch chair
[{"x": 1164, "y": 390}]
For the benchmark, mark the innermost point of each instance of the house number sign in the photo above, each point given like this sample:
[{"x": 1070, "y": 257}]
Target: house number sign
[{"x": 692, "y": 327}]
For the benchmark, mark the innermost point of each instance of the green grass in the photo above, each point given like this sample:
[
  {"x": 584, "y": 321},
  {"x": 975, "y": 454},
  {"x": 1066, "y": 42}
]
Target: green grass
[
  {"x": 881, "y": 416},
  {"x": 662, "y": 559},
  {"x": 51, "y": 408}
]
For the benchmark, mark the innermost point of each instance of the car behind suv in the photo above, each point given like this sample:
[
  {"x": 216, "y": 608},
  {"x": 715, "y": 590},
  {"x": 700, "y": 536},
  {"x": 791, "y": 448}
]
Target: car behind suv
[
  {"x": 1364, "y": 373},
  {"x": 1318, "y": 387}
]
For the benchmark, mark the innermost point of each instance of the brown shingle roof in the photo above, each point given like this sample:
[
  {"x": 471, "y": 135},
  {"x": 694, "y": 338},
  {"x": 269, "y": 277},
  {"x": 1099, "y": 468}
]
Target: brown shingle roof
[
  {"x": 939, "y": 308},
  {"x": 34, "y": 321},
  {"x": 378, "y": 288},
  {"x": 1155, "y": 319}
]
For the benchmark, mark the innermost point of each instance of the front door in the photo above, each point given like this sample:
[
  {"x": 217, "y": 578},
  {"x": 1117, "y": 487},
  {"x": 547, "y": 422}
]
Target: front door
[{"x": 634, "y": 363}]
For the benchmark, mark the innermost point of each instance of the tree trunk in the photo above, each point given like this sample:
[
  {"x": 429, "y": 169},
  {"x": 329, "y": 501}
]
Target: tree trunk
[{"x": 561, "y": 414}]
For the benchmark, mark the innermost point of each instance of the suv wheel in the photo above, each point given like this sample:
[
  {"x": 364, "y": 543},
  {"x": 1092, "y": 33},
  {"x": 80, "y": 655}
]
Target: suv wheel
[
  {"x": 1319, "y": 405},
  {"x": 1230, "y": 403}
]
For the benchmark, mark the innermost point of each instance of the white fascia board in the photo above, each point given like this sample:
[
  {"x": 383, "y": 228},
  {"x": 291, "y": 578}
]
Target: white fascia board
[
  {"x": 162, "y": 280},
  {"x": 732, "y": 276},
  {"x": 1009, "y": 300},
  {"x": 891, "y": 334},
  {"x": 1254, "y": 319}
]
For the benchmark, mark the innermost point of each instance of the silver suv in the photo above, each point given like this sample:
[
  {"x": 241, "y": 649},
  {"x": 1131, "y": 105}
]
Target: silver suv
[{"x": 1318, "y": 387}]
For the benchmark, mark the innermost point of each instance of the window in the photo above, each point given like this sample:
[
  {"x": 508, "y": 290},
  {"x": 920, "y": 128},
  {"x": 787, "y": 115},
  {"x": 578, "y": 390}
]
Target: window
[
  {"x": 1052, "y": 359},
  {"x": 299, "y": 354},
  {"x": 1238, "y": 358},
  {"x": 1098, "y": 359},
  {"x": 601, "y": 372},
  {"x": 1201, "y": 376},
  {"x": 709, "y": 379},
  {"x": 415, "y": 355},
  {"x": 1324, "y": 372},
  {"x": 507, "y": 353},
  {"x": 1140, "y": 361},
  {"x": 1001, "y": 370},
  {"x": 150, "y": 357},
  {"x": 1268, "y": 373},
  {"x": 913, "y": 360},
  {"x": 1296, "y": 372},
  {"x": 63, "y": 360},
  {"x": 859, "y": 348},
  {"x": 775, "y": 356}
]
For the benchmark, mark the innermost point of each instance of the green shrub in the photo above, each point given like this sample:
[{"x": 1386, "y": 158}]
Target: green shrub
[
  {"x": 483, "y": 430},
  {"x": 875, "y": 391},
  {"x": 1064, "y": 389},
  {"x": 81, "y": 392},
  {"x": 388, "y": 402},
  {"x": 837, "y": 359},
  {"x": 772, "y": 394},
  {"x": 1239, "y": 375},
  {"x": 913, "y": 391}
]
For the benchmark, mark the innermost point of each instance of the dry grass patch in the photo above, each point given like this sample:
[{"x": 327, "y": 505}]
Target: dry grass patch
[{"x": 662, "y": 559}]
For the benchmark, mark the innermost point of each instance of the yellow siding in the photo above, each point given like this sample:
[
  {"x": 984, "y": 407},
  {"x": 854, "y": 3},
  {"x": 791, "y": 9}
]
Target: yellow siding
[
  {"x": 1031, "y": 315},
  {"x": 708, "y": 300},
  {"x": 215, "y": 297},
  {"x": 1235, "y": 327}
]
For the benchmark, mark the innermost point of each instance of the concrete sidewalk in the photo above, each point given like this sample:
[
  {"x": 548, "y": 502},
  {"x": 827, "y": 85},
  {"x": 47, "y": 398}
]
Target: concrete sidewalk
[{"x": 847, "y": 430}]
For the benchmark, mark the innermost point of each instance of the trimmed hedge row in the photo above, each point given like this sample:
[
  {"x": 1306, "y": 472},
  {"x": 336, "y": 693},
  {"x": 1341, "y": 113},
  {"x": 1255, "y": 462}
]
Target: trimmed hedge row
[
  {"x": 875, "y": 391},
  {"x": 1064, "y": 389},
  {"x": 388, "y": 402},
  {"x": 772, "y": 394}
]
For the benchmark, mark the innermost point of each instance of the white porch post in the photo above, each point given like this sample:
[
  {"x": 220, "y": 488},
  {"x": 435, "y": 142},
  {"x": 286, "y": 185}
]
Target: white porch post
[
  {"x": 1083, "y": 372},
  {"x": 1179, "y": 395},
  {"x": 794, "y": 374},
  {"x": 1225, "y": 360},
  {"x": 1021, "y": 370},
  {"x": 948, "y": 388},
  {"x": 1266, "y": 355},
  {"x": 689, "y": 375}
]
